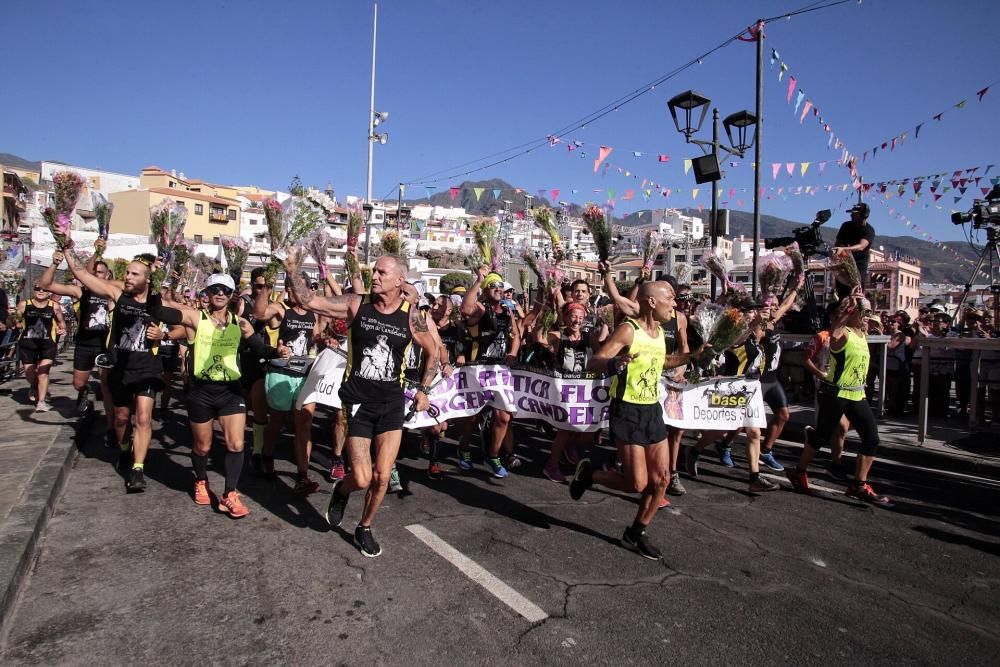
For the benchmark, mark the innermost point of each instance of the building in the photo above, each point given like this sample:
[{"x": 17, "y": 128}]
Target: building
[
  {"x": 213, "y": 211},
  {"x": 893, "y": 282},
  {"x": 15, "y": 200}
]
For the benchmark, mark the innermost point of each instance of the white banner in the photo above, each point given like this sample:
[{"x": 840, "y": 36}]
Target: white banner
[
  {"x": 580, "y": 402},
  {"x": 322, "y": 385}
]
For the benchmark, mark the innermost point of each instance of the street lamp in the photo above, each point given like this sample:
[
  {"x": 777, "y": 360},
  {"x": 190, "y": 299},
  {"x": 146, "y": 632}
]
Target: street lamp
[{"x": 706, "y": 168}]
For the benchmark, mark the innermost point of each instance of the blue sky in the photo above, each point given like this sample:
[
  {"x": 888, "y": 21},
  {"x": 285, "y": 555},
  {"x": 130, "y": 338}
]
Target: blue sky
[{"x": 255, "y": 92}]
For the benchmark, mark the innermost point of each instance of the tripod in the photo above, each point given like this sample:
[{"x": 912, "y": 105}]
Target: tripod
[{"x": 990, "y": 251}]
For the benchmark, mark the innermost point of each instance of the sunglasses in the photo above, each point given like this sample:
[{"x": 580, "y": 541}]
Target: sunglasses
[
  {"x": 259, "y": 285},
  {"x": 218, "y": 289},
  {"x": 494, "y": 286},
  {"x": 40, "y": 289}
]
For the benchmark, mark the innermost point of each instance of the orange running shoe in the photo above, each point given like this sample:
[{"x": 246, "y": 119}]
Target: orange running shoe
[
  {"x": 201, "y": 496},
  {"x": 665, "y": 502},
  {"x": 232, "y": 505}
]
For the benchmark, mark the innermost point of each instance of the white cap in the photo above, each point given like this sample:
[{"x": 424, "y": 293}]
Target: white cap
[
  {"x": 507, "y": 286},
  {"x": 939, "y": 308},
  {"x": 223, "y": 279}
]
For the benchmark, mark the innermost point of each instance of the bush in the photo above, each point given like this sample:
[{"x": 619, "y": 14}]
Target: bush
[{"x": 450, "y": 281}]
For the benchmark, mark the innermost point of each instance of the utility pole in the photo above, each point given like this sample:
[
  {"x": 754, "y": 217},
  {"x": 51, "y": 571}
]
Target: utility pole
[
  {"x": 756, "y": 152},
  {"x": 371, "y": 145}
]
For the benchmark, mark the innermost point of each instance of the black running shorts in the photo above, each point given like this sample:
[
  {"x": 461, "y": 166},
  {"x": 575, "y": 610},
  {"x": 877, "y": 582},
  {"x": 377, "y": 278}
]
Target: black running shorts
[
  {"x": 123, "y": 394},
  {"x": 209, "y": 400},
  {"x": 366, "y": 420},
  {"x": 635, "y": 424},
  {"x": 36, "y": 350},
  {"x": 773, "y": 394},
  {"x": 85, "y": 354}
]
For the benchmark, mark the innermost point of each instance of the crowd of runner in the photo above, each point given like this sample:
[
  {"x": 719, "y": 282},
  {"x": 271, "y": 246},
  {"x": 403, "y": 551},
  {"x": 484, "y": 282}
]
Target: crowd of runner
[{"x": 247, "y": 353}]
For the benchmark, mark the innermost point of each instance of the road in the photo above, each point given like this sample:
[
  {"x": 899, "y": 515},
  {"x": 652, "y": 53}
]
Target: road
[{"x": 780, "y": 578}]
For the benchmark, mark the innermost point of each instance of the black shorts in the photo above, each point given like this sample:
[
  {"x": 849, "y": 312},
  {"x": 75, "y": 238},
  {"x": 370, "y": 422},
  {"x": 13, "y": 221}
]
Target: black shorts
[
  {"x": 35, "y": 350},
  {"x": 85, "y": 354},
  {"x": 636, "y": 424},
  {"x": 123, "y": 394},
  {"x": 171, "y": 363},
  {"x": 366, "y": 420},
  {"x": 210, "y": 400},
  {"x": 252, "y": 371},
  {"x": 773, "y": 394}
]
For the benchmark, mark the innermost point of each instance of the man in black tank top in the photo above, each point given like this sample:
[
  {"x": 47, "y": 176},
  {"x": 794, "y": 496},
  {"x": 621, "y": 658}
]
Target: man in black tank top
[
  {"x": 91, "y": 337},
  {"x": 42, "y": 321},
  {"x": 135, "y": 375},
  {"x": 381, "y": 327}
]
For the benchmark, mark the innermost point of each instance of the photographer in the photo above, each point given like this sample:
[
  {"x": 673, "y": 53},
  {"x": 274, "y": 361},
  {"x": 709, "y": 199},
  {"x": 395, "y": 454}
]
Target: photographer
[{"x": 856, "y": 236}]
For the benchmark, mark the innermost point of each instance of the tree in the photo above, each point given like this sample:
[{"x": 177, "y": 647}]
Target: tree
[
  {"x": 295, "y": 188},
  {"x": 450, "y": 281}
]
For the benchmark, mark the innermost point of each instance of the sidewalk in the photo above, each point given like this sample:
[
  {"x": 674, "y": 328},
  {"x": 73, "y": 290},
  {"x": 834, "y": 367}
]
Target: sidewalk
[{"x": 36, "y": 452}]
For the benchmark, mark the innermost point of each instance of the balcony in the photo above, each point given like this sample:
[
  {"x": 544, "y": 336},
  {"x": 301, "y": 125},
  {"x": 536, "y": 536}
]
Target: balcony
[{"x": 217, "y": 215}]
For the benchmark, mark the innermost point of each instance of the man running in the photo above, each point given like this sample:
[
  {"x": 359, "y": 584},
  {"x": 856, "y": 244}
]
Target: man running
[
  {"x": 636, "y": 355},
  {"x": 215, "y": 392},
  {"x": 135, "y": 374},
  {"x": 382, "y": 326},
  {"x": 43, "y": 323}
]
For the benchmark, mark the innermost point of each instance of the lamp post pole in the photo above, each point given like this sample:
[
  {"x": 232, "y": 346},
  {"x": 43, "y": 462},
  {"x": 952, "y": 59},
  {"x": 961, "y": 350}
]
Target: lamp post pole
[
  {"x": 714, "y": 228},
  {"x": 371, "y": 145},
  {"x": 756, "y": 153},
  {"x": 399, "y": 211}
]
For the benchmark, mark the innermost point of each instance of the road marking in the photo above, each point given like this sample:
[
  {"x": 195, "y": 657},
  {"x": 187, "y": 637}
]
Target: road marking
[
  {"x": 478, "y": 574},
  {"x": 784, "y": 481}
]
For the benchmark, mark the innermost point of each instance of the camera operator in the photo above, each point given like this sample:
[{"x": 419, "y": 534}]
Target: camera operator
[{"x": 856, "y": 236}]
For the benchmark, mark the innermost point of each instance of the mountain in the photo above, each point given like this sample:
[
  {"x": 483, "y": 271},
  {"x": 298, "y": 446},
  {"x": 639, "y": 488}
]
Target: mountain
[{"x": 9, "y": 160}]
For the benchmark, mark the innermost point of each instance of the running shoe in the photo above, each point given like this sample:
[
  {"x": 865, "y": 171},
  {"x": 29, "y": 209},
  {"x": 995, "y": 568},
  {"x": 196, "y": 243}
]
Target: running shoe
[
  {"x": 394, "y": 484},
  {"x": 866, "y": 493},
  {"x": 337, "y": 470},
  {"x": 335, "y": 508},
  {"x": 798, "y": 478},
  {"x": 496, "y": 468},
  {"x": 42, "y": 406},
  {"x": 725, "y": 455},
  {"x": 676, "y": 488},
  {"x": 136, "y": 481},
  {"x": 366, "y": 542},
  {"x": 612, "y": 465},
  {"x": 465, "y": 459},
  {"x": 304, "y": 486},
  {"x": 434, "y": 471},
  {"x": 582, "y": 479},
  {"x": 201, "y": 496},
  {"x": 767, "y": 459},
  {"x": 32, "y": 396},
  {"x": 640, "y": 544},
  {"x": 691, "y": 462},
  {"x": 836, "y": 470},
  {"x": 553, "y": 473},
  {"x": 232, "y": 505},
  {"x": 83, "y": 403},
  {"x": 762, "y": 484},
  {"x": 514, "y": 462},
  {"x": 664, "y": 502}
]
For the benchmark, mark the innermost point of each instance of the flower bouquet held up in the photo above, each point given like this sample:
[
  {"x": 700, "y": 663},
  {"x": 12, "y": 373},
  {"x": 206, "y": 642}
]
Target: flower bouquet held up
[
  {"x": 650, "y": 244},
  {"x": 597, "y": 225},
  {"x": 166, "y": 222},
  {"x": 720, "y": 327},
  {"x": 545, "y": 222},
  {"x": 236, "y": 250},
  {"x": 11, "y": 281},
  {"x": 682, "y": 272},
  {"x": 773, "y": 271},
  {"x": 355, "y": 225},
  {"x": 485, "y": 233},
  {"x": 316, "y": 246},
  {"x": 532, "y": 263},
  {"x": 102, "y": 210},
  {"x": 274, "y": 216},
  {"x": 522, "y": 278},
  {"x": 845, "y": 270},
  {"x": 716, "y": 266},
  {"x": 391, "y": 243},
  {"x": 798, "y": 261},
  {"x": 68, "y": 185}
]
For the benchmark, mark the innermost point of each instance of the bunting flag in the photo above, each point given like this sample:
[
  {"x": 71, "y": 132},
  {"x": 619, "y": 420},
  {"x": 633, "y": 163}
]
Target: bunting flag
[
  {"x": 429, "y": 190},
  {"x": 555, "y": 194},
  {"x": 791, "y": 87},
  {"x": 637, "y": 153},
  {"x": 790, "y": 168},
  {"x": 805, "y": 110},
  {"x": 687, "y": 166},
  {"x": 496, "y": 193},
  {"x": 775, "y": 168},
  {"x": 804, "y": 167},
  {"x": 603, "y": 154},
  {"x": 628, "y": 195},
  {"x": 694, "y": 193},
  {"x": 454, "y": 193},
  {"x": 479, "y": 192},
  {"x": 664, "y": 158}
]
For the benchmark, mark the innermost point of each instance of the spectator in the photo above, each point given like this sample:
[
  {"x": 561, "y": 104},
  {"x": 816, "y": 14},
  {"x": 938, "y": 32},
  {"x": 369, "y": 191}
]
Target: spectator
[{"x": 857, "y": 236}]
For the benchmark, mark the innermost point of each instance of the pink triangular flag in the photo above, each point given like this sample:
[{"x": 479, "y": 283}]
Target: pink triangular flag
[
  {"x": 805, "y": 110},
  {"x": 454, "y": 193},
  {"x": 790, "y": 167},
  {"x": 555, "y": 194},
  {"x": 775, "y": 168},
  {"x": 791, "y": 89}
]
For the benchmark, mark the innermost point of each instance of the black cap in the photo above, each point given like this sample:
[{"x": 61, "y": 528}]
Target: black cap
[{"x": 861, "y": 208}]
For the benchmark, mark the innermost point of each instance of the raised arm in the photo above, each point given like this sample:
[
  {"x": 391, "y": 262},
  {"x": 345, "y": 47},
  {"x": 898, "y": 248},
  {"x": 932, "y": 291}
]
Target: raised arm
[
  {"x": 472, "y": 310},
  {"x": 629, "y": 307},
  {"x": 99, "y": 287},
  {"x": 788, "y": 302},
  {"x": 48, "y": 280}
]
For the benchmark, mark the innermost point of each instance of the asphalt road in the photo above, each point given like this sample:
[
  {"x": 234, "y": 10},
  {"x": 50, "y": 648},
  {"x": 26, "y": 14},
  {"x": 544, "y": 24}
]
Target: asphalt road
[{"x": 780, "y": 578}]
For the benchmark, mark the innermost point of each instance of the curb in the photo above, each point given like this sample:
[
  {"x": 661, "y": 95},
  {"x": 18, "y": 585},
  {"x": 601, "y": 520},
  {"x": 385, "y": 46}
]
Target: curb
[{"x": 26, "y": 523}]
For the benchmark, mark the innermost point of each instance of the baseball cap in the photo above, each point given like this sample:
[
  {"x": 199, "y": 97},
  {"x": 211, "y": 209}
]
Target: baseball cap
[
  {"x": 507, "y": 286},
  {"x": 861, "y": 208},
  {"x": 221, "y": 279},
  {"x": 938, "y": 308},
  {"x": 460, "y": 289}
]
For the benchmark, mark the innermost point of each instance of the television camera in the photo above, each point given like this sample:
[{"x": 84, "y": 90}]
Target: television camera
[
  {"x": 809, "y": 238},
  {"x": 984, "y": 212}
]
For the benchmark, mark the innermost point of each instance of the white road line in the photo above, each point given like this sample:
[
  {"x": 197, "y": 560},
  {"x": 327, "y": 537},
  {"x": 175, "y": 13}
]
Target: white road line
[
  {"x": 784, "y": 481},
  {"x": 474, "y": 571}
]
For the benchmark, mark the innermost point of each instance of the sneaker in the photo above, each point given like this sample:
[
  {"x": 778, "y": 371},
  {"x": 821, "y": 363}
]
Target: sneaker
[
  {"x": 201, "y": 496},
  {"x": 691, "y": 462},
  {"x": 866, "y": 493},
  {"x": 366, "y": 542},
  {"x": 335, "y": 508},
  {"x": 664, "y": 502},
  {"x": 465, "y": 459},
  {"x": 837, "y": 472},
  {"x": 232, "y": 505},
  {"x": 676, "y": 488},
  {"x": 304, "y": 486},
  {"x": 798, "y": 478},
  {"x": 32, "y": 396},
  {"x": 582, "y": 479},
  {"x": 434, "y": 471},
  {"x": 496, "y": 468},
  {"x": 612, "y": 465},
  {"x": 514, "y": 462},
  {"x": 337, "y": 470},
  {"x": 553, "y": 473},
  {"x": 42, "y": 406},
  {"x": 136, "y": 481},
  {"x": 725, "y": 456},
  {"x": 761, "y": 484},
  {"x": 767, "y": 460},
  {"x": 640, "y": 545},
  {"x": 394, "y": 484},
  {"x": 83, "y": 403}
]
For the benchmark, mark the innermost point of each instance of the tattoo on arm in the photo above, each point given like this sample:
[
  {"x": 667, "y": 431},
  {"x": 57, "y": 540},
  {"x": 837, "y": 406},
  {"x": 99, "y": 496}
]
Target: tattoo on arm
[
  {"x": 418, "y": 321},
  {"x": 297, "y": 286}
]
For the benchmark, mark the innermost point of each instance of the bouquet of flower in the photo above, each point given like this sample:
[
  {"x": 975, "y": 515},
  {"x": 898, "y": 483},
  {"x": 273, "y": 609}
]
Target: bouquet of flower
[
  {"x": 118, "y": 267},
  {"x": 532, "y": 263},
  {"x": 355, "y": 224},
  {"x": 391, "y": 243},
  {"x": 366, "y": 277},
  {"x": 485, "y": 233},
  {"x": 183, "y": 252},
  {"x": 716, "y": 266},
  {"x": 317, "y": 245},
  {"x": 597, "y": 225},
  {"x": 545, "y": 222},
  {"x": 522, "y": 278},
  {"x": 548, "y": 319},
  {"x": 650, "y": 245},
  {"x": 68, "y": 185},
  {"x": 720, "y": 326},
  {"x": 274, "y": 216},
  {"x": 166, "y": 222},
  {"x": 11, "y": 281},
  {"x": 797, "y": 260},
  {"x": 682, "y": 272},
  {"x": 607, "y": 314},
  {"x": 773, "y": 271},
  {"x": 845, "y": 270},
  {"x": 236, "y": 250},
  {"x": 102, "y": 209}
]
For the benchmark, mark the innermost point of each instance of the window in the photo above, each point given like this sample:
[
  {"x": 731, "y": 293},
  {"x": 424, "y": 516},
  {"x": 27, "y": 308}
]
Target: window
[
  {"x": 199, "y": 209},
  {"x": 197, "y": 238},
  {"x": 232, "y": 214},
  {"x": 215, "y": 240},
  {"x": 170, "y": 184}
]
